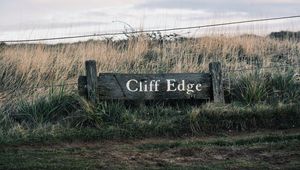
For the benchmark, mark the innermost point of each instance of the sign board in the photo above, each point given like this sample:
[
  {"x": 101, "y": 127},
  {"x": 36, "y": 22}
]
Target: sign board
[{"x": 116, "y": 86}]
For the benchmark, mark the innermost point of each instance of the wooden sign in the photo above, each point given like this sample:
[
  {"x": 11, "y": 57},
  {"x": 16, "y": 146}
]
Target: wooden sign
[{"x": 116, "y": 86}]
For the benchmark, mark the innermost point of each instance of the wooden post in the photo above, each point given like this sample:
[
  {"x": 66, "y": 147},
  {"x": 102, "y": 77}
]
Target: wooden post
[
  {"x": 82, "y": 91},
  {"x": 217, "y": 82},
  {"x": 91, "y": 79}
]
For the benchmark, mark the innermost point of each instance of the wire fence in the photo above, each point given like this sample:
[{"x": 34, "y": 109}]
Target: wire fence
[
  {"x": 148, "y": 31},
  {"x": 153, "y": 30},
  {"x": 260, "y": 68},
  {"x": 75, "y": 83},
  {"x": 18, "y": 91},
  {"x": 38, "y": 87}
]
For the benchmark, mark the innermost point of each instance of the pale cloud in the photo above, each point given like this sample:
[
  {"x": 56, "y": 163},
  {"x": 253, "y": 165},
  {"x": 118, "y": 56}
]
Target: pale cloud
[
  {"x": 54, "y": 25},
  {"x": 270, "y": 7},
  {"x": 69, "y": 17},
  {"x": 82, "y": 3},
  {"x": 277, "y": 1}
]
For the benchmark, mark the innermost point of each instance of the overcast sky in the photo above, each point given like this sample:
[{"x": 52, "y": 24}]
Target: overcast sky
[{"x": 46, "y": 18}]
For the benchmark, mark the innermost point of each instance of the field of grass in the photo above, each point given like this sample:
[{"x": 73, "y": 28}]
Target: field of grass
[
  {"x": 52, "y": 127},
  {"x": 40, "y": 64}
]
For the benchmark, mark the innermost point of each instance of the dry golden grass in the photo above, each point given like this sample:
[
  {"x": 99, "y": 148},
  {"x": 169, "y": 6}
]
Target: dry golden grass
[{"x": 39, "y": 64}]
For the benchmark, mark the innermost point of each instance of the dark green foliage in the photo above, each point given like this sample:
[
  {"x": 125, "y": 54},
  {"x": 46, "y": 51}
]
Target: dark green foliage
[
  {"x": 210, "y": 120},
  {"x": 285, "y": 87},
  {"x": 269, "y": 88},
  {"x": 60, "y": 116},
  {"x": 286, "y": 35},
  {"x": 52, "y": 108},
  {"x": 251, "y": 89},
  {"x": 114, "y": 121}
]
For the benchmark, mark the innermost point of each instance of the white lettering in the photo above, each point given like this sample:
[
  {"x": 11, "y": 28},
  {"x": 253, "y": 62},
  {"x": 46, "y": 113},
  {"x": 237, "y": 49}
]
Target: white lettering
[
  {"x": 156, "y": 85},
  {"x": 189, "y": 88},
  {"x": 198, "y": 87},
  {"x": 134, "y": 85},
  {"x": 128, "y": 85},
  {"x": 169, "y": 85}
]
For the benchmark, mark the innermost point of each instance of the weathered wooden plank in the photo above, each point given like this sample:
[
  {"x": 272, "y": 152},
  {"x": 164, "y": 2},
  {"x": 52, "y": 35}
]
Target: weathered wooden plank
[
  {"x": 217, "y": 82},
  {"x": 154, "y": 86},
  {"x": 91, "y": 79},
  {"x": 82, "y": 90}
]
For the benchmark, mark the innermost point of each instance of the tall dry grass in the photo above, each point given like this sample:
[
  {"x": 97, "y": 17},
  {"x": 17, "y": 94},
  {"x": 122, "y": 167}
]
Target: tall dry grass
[
  {"x": 26, "y": 65},
  {"x": 56, "y": 113}
]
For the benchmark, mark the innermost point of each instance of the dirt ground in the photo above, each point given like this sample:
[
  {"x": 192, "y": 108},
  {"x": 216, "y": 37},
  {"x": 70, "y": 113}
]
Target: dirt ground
[{"x": 258, "y": 150}]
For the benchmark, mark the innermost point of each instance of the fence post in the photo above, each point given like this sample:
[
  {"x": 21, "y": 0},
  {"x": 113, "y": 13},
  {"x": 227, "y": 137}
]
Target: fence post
[
  {"x": 91, "y": 79},
  {"x": 215, "y": 70}
]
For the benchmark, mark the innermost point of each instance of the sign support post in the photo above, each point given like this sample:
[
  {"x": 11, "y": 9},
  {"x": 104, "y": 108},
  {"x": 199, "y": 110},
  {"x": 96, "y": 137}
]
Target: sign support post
[{"x": 215, "y": 70}]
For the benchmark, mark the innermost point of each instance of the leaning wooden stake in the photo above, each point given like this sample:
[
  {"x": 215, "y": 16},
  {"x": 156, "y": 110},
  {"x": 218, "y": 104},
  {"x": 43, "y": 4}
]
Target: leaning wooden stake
[
  {"x": 91, "y": 79},
  {"x": 217, "y": 82}
]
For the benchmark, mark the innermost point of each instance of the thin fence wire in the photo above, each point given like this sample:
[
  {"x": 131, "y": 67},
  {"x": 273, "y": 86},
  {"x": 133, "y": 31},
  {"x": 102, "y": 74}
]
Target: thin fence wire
[
  {"x": 259, "y": 68},
  {"x": 153, "y": 30},
  {"x": 227, "y": 78},
  {"x": 75, "y": 83},
  {"x": 149, "y": 31},
  {"x": 38, "y": 87}
]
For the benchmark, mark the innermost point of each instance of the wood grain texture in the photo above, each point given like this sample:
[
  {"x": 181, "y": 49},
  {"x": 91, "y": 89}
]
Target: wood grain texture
[
  {"x": 217, "y": 82},
  {"x": 91, "y": 79},
  {"x": 113, "y": 86},
  {"x": 82, "y": 84}
]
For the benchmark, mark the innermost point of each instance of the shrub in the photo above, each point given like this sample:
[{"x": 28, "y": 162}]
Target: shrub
[
  {"x": 252, "y": 88},
  {"x": 285, "y": 87},
  {"x": 47, "y": 109}
]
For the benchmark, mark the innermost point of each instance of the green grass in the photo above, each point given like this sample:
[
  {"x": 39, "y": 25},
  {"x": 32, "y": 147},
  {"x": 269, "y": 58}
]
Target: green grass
[
  {"x": 63, "y": 117},
  {"x": 115, "y": 121},
  {"x": 263, "y": 87},
  {"x": 260, "y": 101},
  {"x": 29, "y": 129}
]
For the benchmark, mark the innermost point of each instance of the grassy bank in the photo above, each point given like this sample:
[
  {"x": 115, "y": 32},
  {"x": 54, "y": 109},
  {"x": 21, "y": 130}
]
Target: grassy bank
[
  {"x": 257, "y": 128},
  {"x": 256, "y": 101},
  {"x": 61, "y": 117},
  {"x": 63, "y": 130},
  {"x": 29, "y": 65}
]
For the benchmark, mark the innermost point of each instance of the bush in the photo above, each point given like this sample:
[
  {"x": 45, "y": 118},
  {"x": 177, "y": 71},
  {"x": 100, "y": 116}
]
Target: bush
[
  {"x": 269, "y": 88},
  {"x": 251, "y": 89},
  {"x": 285, "y": 87},
  {"x": 52, "y": 108},
  {"x": 286, "y": 35},
  {"x": 105, "y": 113}
]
